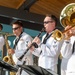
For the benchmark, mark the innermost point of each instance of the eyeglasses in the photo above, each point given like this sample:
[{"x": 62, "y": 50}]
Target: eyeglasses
[
  {"x": 46, "y": 22},
  {"x": 15, "y": 28}
]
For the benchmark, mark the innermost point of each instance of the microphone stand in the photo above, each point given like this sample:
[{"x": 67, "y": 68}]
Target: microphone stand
[{"x": 33, "y": 44}]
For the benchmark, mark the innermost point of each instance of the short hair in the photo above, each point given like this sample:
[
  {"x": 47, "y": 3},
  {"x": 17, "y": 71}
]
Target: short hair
[
  {"x": 53, "y": 17},
  {"x": 1, "y": 26},
  {"x": 18, "y": 22}
]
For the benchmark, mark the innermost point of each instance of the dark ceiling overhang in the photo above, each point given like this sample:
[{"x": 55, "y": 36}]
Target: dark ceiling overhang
[
  {"x": 28, "y": 4},
  {"x": 30, "y": 20}
]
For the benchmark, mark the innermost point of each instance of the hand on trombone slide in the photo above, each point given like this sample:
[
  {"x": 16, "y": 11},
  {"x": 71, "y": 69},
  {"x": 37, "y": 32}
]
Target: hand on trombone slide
[{"x": 70, "y": 32}]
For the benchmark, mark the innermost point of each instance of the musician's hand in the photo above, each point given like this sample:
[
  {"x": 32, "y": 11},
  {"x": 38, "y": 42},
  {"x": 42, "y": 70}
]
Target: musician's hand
[
  {"x": 73, "y": 31},
  {"x": 11, "y": 51},
  {"x": 32, "y": 48},
  {"x": 68, "y": 32},
  {"x": 36, "y": 40}
]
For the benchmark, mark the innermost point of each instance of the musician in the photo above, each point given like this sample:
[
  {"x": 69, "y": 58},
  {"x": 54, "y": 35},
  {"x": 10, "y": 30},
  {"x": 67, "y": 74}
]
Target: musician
[
  {"x": 48, "y": 49},
  {"x": 69, "y": 52},
  {"x": 20, "y": 45},
  {"x": 67, "y": 48},
  {"x": 1, "y": 41}
]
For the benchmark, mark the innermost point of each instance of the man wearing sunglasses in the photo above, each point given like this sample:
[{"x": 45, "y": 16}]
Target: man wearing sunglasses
[
  {"x": 20, "y": 46},
  {"x": 48, "y": 49}
]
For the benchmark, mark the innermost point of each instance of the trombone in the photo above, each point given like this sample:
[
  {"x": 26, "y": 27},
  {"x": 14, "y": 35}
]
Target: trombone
[{"x": 59, "y": 35}]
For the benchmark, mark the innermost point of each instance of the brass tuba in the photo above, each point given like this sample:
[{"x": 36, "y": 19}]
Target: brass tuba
[
  {"x": 8, "y": 58},
  {"x": 67, "y": 17}
]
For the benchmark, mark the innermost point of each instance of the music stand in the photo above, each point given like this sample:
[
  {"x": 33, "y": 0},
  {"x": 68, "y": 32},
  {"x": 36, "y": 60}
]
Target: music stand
[
  {"x": 35, "y": 70},
  {"x": 8, "y": 66}
]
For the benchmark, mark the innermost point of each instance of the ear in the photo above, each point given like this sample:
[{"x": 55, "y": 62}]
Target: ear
[{"x": 21, "y": 27}]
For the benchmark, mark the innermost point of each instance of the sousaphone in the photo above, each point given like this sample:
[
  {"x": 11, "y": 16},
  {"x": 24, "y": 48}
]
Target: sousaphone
[{"x": 67, "y": 16}]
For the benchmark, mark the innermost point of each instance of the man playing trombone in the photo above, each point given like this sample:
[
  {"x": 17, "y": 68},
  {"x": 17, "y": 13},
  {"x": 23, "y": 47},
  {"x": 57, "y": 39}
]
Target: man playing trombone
[
  {"x": 67, "y": 18},
  {"x": 67, "y": 48},
  {"x": 70, "y": 53}
]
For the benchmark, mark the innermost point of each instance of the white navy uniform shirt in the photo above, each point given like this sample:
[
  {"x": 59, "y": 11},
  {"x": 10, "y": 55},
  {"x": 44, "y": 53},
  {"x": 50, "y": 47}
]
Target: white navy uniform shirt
[
  {"x": 2, "y": 42},
  {"x": 20, "y": 49},
  {"x": 48, "y": 59},
  {"x": 66, "y": 52},
  {"x": 71, "y": 61}
]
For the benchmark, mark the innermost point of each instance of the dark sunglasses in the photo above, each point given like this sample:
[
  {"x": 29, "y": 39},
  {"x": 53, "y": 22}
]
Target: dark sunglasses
[
  {"x": 15, "y": 28},
  {"x": 46, "y": 22}
]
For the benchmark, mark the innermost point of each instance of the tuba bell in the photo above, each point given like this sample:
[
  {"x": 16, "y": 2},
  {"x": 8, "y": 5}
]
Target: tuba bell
[{"x": 67, "y": 17}]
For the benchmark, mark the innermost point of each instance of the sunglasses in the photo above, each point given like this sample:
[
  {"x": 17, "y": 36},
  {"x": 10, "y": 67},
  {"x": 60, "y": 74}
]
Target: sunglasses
[
  {"x": 46, "y": 22},
  {"x": 15, "y": 28}
]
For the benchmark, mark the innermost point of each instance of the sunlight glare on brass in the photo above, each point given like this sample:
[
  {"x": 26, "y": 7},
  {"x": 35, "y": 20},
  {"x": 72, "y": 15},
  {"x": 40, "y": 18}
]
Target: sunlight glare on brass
[{"x": 6, "y": 33}]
